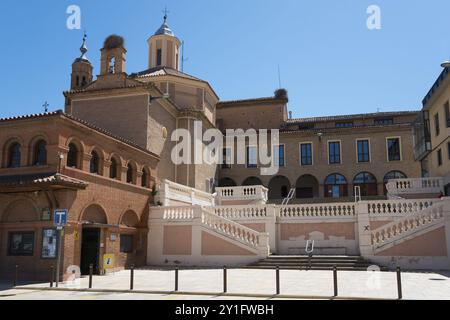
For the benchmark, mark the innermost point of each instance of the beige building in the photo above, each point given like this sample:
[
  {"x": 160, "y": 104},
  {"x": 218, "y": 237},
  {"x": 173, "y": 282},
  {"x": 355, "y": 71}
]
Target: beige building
[
  {"x": 324, "y": 157},
  {"x": 432, "y": 136}
]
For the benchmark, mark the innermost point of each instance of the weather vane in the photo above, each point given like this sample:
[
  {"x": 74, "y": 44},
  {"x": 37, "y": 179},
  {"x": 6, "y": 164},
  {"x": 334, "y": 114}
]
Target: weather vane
[{"x": 46, "y": 105}]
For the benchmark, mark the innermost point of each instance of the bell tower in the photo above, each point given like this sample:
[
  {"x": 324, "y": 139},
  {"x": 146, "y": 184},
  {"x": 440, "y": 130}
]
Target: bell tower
[
  {"x": 81, "y": 69},
  {"x": 113, "y": 56},
  {"x": 164, "y": 48}
]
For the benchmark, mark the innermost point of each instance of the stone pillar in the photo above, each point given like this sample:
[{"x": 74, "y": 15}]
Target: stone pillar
[
  {"x": 364, "y": 230},
  {"x": 138, "y": 178},
  {"x": 271, "y": 227},
  {"x": 85, "y": 162},
  {"x": 196, "y": 252},
  {"x": 122, "y": 174},
  {"x": 106, "y": 168}
]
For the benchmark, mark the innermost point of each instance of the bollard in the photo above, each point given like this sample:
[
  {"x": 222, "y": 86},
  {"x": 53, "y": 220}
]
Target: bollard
[
  {"x": 335, "y": 281},
  {"x": 225, "y": 280},
  {"x": 52, "y": 276},
  {"x": 91, "y": 271},
  {"x": 16, "y": 275},
  {"x": 278, "y": 279},
  {"x": 399, "y": 283},
  {"x": 131, "y": 277},
  {"x": 176, "y": 279}
]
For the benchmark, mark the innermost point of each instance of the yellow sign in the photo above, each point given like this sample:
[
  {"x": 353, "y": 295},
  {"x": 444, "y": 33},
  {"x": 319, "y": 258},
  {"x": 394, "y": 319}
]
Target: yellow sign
[
  {"x": 77, "y": 236},
  {"x": 109, "y": 261}
]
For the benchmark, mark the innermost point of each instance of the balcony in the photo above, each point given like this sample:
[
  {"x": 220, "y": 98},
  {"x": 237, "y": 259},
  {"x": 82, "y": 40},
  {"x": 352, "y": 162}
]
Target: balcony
[{"x": 241, "y": 195}]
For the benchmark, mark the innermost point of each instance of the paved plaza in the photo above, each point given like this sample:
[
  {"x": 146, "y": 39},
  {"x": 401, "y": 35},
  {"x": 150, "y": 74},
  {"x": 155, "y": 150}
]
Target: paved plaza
[{"x": 246, "y": 283}]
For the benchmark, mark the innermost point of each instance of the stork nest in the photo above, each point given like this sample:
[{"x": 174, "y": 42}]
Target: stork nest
[
  {"x": 114, "y": 41},
  {"x": 282, "y": 94}
]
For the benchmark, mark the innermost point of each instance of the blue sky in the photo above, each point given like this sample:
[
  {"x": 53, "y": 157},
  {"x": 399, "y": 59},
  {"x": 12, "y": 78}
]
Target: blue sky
[{"x": 330, "y": 62}]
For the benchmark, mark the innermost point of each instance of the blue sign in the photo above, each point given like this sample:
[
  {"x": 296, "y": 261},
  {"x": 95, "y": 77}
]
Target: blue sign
[{"x": 60, "y": 218}]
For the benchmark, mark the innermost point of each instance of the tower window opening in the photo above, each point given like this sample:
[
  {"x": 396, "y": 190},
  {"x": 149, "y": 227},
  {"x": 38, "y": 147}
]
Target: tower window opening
[{"x": 158, "y": 57}]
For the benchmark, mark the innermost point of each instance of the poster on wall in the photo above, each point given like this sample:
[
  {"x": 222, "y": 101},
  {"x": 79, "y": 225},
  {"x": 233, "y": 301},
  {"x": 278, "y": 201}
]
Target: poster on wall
[{"x": 49, "y": 243}]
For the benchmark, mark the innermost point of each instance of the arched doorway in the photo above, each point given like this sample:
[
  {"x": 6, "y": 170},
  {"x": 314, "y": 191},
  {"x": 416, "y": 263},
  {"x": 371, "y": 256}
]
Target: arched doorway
[
  {"x": 252, "y": 181},
  {"x": 306, "y": 187},
  {"x": 93, "y": 219},
  {"x": 227, "y": 182},
  {"x": 279, "y": 188}
]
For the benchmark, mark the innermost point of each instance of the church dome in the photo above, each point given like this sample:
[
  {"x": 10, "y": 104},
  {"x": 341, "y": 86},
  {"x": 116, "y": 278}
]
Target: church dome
[{"x": 164, "y": 30}]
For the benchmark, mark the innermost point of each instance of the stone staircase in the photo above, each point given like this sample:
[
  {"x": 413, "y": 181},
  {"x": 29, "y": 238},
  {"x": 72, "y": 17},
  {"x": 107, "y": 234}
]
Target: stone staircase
[{"x": 350, "y": 263}]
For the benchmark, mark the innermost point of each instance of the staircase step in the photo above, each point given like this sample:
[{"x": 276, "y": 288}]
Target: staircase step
[{"x": 313, "y": 263}]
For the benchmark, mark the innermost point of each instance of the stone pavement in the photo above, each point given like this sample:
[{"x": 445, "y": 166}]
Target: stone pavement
[{"x": 206, "y": 282}]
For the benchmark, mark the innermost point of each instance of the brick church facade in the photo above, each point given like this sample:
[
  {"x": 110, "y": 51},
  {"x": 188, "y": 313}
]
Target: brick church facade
[{"x": 104, "y": 157}]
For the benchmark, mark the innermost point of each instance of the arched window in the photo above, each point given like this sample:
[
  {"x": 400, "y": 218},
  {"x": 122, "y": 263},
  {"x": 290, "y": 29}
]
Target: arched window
[
  {"x": 113, "y": 169},
  {"x": 392, "y": 175},
  {"x": 72, "y": 156},
  {"x": 227, "y": 182},
  {"x": 336, "y": 186},
  {"x": 367, "y": 182},
  {"x": 94, "y": 165},
  {"x": 130, "y": 174},
  {"x": 145, "y": 178},
  {"x": 40, "y": 153},
  {"x": 14, "y": 155}
]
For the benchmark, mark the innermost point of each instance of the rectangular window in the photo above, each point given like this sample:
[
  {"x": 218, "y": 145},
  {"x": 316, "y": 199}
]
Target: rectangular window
[
  {"x": 344, "y": 124},
  {"x": 126, "y": 243},
  {"x": 383, "y": 121},
  {"x": 252, "y": 157},
  {"x": 334, "y": 152},
  {"x": 363, "y": 151},
  {"x": 439, "y": 157},
  {"x": 158, "y": 57},
  {"x": 436, "y": 124},
  {"x": 393, "y": 146},
  {"x": 21, "y": 244},
  {"x": 226, "y": 158},
  {"x": 306, "y": 154},
  {"x": 447, "y": 114},
  {"x": 278, "y": 155},
  {"x": 49, "y": 238}
]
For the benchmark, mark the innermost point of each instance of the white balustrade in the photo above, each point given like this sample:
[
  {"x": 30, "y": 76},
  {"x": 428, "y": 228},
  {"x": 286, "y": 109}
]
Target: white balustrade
[
  {"x": 345, "y": 209},
  {"x": 234, "y": 230},
  {"x": 397, "y": 207},
  {"x": 400, "y": 228},
  {"x": 243, "y": 212},
  {"x": 415, "y": 186},
  {"x": 171, "y": 191},
  {"x": 248, "y": 193}
]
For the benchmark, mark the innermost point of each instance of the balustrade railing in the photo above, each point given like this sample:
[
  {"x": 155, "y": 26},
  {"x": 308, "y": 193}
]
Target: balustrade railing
[
  {"x": 242, "y": 193},
  {"x": 235, "y": 230},
  {"x": 407, "y": 225},
  {"x": 180, "y": 193},
  {"x": 395, "y": 207},
  {"x": 414, "y": 186},
  {"x": 345, "y": 209},
  {"x": 243, "y": 212}
]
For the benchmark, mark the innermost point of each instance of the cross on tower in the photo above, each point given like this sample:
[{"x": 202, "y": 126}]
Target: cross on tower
[
  {"x": 165, "y": 13},
  {"x": 46, "y": 105}
]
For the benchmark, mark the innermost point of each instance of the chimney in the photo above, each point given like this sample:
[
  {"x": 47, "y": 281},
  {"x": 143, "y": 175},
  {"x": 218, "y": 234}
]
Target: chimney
[{"x": 290, "y": 115}]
